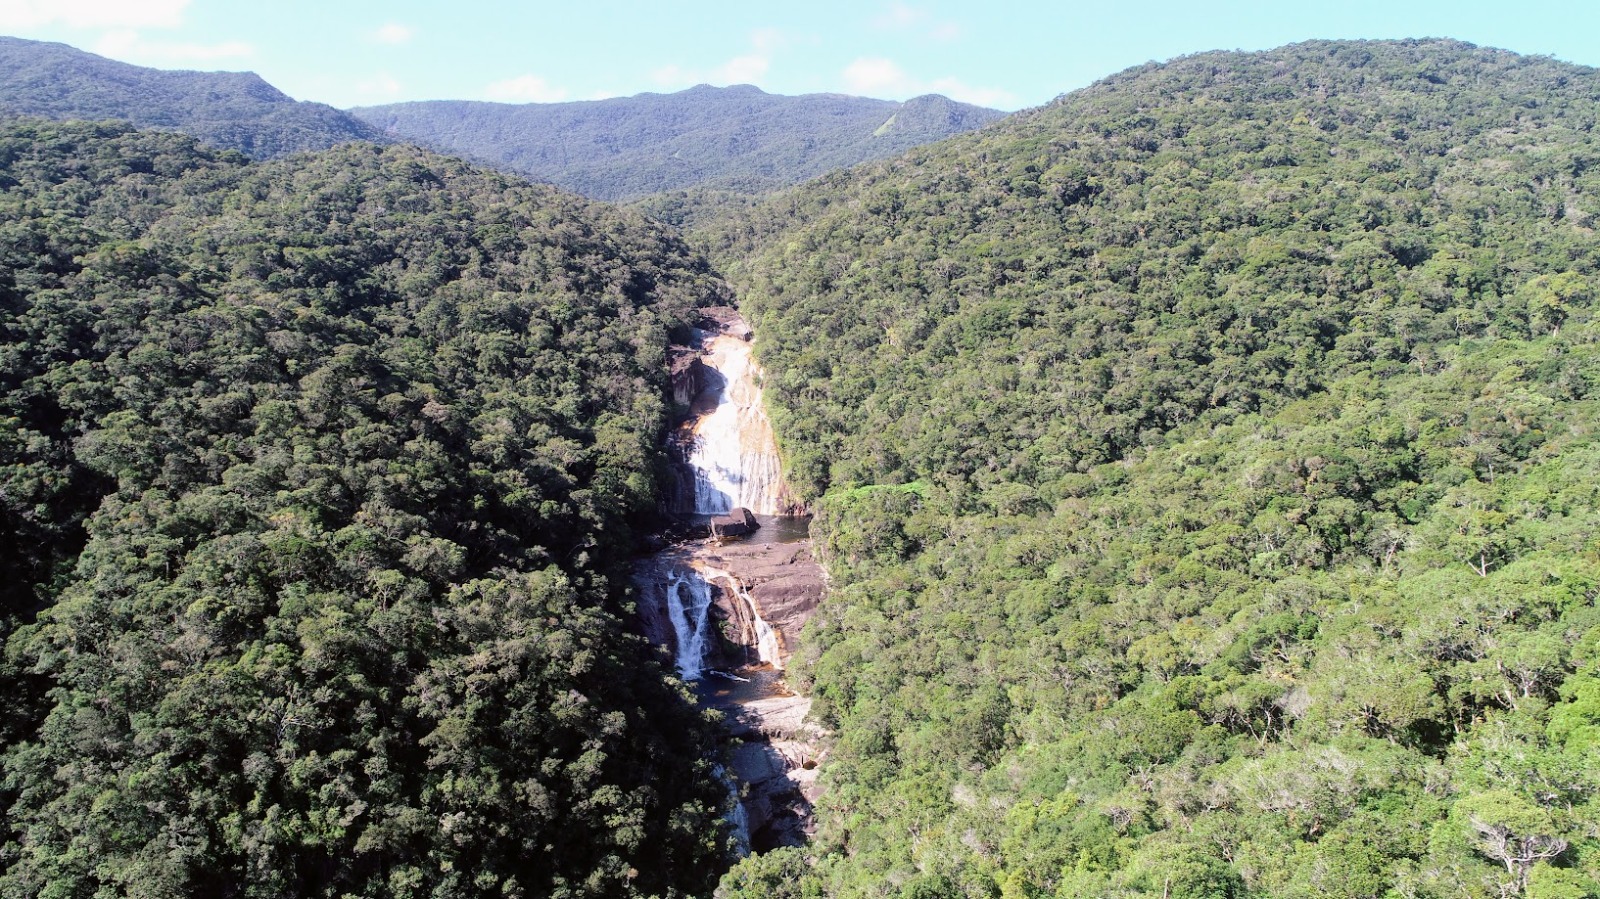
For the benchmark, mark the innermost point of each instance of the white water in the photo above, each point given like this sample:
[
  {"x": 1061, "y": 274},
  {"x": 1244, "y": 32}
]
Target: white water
[
  {"x": 734, "y": 453},
  {"x": 688, "y": 606},
  {"x": 734, "y": 457},
  {"x": 768, "y": 649},
  {"x": 736, "y": 817}
]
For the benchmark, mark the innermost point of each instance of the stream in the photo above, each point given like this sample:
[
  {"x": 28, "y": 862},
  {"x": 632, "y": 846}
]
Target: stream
[{"x": 729, "y": 599}]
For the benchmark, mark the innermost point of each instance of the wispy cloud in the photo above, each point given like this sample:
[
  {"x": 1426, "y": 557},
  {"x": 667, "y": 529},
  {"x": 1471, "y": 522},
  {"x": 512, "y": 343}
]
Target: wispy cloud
[
  {"x": 381, "y": 86},
  {"x": 20, "y": 14},
  {"x": 767, "y": 40},
  {"x": 956, "y": 89},
  {"x": 394, "y": 33},
  {"x": 901, "y": 16},
  {"x": 130, "y": 45},
  {"x": 525, "y": 89},
  {"x": 875, "y": 76},
  {"x": 746, "y": 68}
]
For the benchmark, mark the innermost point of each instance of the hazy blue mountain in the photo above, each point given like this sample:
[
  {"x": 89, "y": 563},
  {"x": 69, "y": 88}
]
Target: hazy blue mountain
[
  {"x": 737, "y": 138},
  {"x": 232, "y": 110}
]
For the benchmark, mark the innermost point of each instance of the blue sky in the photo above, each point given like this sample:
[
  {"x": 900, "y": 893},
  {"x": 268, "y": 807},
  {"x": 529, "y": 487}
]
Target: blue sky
[{"x": 1004, "y": 53}]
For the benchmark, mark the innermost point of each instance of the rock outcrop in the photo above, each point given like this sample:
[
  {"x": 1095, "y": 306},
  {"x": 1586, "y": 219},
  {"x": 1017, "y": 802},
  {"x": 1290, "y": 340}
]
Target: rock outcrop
[
  {"x": 782, "y": 579},
  {"x": 724, "y": 320},
  {"x": 687, "y": 374},
  {"x": 777, "y": 762}
]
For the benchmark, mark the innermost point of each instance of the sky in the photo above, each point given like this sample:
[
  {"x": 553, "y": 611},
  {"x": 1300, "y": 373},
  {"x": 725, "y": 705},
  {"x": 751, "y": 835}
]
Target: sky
[{"x": 1008, "y": 54}]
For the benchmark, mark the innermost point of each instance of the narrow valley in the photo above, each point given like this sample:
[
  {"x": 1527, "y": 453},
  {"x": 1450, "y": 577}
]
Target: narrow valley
[{"x": 730, "y": 594}]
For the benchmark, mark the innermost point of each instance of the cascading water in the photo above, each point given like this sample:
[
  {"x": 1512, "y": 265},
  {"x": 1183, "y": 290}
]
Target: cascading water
[
  {"x": 689, "y": 607},
  {"x": 704, "y": 598},
  {"x": 768, "y": 649},
  {"x": 732, "y": 450}
]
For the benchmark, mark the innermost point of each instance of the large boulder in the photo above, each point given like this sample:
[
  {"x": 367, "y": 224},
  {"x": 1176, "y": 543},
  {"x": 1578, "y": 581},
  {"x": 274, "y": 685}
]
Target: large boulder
[{"x": 737, "y": 523}]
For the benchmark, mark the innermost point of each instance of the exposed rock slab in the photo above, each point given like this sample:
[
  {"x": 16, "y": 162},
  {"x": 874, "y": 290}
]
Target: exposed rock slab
[
  {"x": 783, "y": 580},
  {"x": 723, "y": 320}
]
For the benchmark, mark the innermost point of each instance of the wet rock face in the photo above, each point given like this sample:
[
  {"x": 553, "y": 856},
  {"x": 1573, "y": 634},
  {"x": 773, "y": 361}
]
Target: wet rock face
[
  {"x": 687, "y": 374},
  {"x": 729, "y": 607},
  {"x": 783, "y": 580}
]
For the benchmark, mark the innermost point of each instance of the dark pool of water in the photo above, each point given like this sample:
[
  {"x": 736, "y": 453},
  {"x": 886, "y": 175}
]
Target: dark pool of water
[
  {"x": 778, "y": 529},
  {"x": 722, "y": 692}
]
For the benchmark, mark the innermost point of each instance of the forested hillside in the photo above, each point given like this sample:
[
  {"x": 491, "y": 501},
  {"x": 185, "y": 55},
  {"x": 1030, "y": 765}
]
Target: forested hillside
[
  {"x": 730, "y": 138},
  {"x": 317, "y": 480},
  {"x": 1206, "y": 467},
  {"x": 231, "y": 110}
]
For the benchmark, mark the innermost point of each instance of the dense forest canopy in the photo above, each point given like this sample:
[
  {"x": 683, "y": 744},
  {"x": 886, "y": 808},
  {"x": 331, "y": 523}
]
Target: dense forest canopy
[
  {"x": 230, "y": 110},
  {"x": 737, "y": 138},
  {"x": 316, "y": 487},
  {"x": 1206, "y": 467}
]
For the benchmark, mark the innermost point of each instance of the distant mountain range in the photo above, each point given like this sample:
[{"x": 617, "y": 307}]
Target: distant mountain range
[
  {"x": 735, "y": 138},
  {"x": 739, "y": 138},
  {"x": 231, "y": 110}
]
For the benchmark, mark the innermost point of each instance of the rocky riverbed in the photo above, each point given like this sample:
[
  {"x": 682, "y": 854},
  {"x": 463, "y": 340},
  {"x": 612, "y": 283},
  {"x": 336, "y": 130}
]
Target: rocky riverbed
[{"x": 730, "y": 596}]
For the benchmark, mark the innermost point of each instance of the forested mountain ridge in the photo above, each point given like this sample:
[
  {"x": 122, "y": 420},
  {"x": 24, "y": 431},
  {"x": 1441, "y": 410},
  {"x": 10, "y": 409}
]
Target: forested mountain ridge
[
  {"x": 317, "y": 481},
  {"x": 734, "y": 138},
  {"x": 1205, "y": 467},
  {"x": 230, "y": 110}
]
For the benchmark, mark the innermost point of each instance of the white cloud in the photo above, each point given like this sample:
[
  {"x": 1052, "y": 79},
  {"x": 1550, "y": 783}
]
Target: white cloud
[
  {"x": 902, "y": 16},
  {"x": 20, "y": 14},
  {"x": 672, "y": 76},
  {"x": 899, "y": 15},
  {"x": 766, "y": 40},
  {"x": 873, "y": 76},
  {"x": 743, "y": 69},
  {"x": 525, "y": 89},
  {"x": 394, "y": 33},
  {"x": 129, "y": 46},
  {"x": 980, "y": 96},
  {"x": 746, "y": 68},
  {"x": 380, "y": 86}
]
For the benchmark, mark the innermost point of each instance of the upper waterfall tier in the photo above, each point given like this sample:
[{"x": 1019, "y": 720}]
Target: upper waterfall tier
[{"x": 731, "y": 447}]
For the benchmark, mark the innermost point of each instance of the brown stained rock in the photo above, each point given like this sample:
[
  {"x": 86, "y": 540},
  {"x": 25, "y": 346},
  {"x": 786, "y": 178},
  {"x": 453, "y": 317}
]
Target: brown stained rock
[
  {"x": 723, "y": 320},
  {"x": 783, "y": 580},
  {"x": 686, "y": 372}
]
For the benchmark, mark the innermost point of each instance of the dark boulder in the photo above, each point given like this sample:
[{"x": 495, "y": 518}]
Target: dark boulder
[{"x": 734, "y": 524}]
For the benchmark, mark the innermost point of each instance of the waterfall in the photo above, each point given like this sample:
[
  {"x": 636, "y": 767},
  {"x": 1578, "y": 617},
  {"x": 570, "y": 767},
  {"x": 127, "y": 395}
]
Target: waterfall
[
  {"x": 768, "y": 649},
  {"x": 732, "y": 450},
  {"x": 725, "y": 450},
  {"x": 738, "y": 820},
  {"x": 688, "y": 607},
  {"x": 689, "y": 596}
]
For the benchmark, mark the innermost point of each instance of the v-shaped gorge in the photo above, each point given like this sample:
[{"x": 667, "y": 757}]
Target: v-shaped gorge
[{"x": 728, "y": 597}]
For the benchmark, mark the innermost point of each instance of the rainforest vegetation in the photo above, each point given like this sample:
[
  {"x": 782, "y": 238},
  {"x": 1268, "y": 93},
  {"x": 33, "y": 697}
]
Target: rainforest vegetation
[
  {"x": 1204, "y": 465},
  {"x": 228, "y": 110},
  {"x": 317, "y": 482}
]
